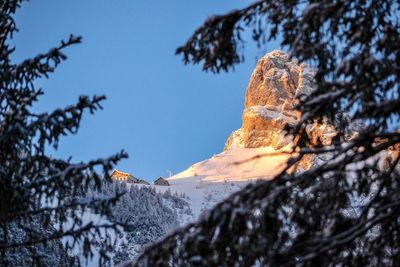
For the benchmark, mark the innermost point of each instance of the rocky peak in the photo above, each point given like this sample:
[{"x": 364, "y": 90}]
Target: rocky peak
[
  {"x": 276, "y": 81},
  {"x": 275, "y": 84}
]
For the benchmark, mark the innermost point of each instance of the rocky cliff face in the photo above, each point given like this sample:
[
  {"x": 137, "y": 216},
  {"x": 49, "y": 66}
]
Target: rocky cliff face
[{"x": 271, "y": 95}]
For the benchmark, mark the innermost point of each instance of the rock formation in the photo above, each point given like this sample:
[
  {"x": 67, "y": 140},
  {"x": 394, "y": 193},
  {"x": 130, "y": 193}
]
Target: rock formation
[{"x": 271, "y": 96}]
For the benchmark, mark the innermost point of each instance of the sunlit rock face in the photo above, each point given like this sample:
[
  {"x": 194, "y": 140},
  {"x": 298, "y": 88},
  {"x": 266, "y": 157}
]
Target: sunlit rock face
[{"x": 271, "y": 95}]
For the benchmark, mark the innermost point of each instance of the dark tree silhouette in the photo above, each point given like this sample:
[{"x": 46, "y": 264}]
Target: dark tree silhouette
[
  {"x": 41, "y": 198},
  {"x": 345, "y": 211}
]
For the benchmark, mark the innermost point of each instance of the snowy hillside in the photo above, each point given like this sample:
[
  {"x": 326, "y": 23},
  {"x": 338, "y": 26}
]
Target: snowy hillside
[
  {"x": 210, "y": 181},
  {"x": 237, "y": 164}
]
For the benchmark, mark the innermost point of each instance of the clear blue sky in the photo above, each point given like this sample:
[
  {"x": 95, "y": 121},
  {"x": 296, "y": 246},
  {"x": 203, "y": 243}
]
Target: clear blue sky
[{"x": 164, "y": 114}]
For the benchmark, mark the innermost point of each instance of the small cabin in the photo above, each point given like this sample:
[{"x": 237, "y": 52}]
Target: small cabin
[
  {"x": 123, "y": 177},
  {"x": 161, "y": 181}
]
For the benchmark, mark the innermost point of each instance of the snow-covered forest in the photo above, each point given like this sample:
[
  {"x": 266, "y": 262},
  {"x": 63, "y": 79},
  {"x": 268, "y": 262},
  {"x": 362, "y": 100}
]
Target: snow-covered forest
[{"x": 149, "y": 215}]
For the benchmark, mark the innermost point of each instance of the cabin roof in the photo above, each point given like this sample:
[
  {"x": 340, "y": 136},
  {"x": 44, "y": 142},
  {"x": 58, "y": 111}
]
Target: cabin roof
[
  {"x": 115, "y": 171},
  {"x": 161, "y": 181},
  {"x": 141, "y": 181},
  {"x": 123, "y": 174}
]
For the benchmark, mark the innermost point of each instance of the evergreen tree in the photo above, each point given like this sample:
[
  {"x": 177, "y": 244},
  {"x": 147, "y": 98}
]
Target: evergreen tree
[
  {"x": 344, "y": 212},
  {"x": 40, "y": 195}
]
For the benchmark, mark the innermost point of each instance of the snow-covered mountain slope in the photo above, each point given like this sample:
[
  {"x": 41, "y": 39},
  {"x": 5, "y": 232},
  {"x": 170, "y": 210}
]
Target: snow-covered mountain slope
[
  {"x": 236, "y": 164},
  {"x": 210, "y": 181}
]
